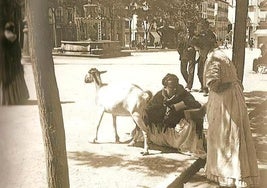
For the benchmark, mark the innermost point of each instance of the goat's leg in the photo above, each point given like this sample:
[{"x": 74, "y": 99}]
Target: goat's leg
[
  {"x": 99, "y": 122},
  {"x": 117, "y": 138},
  {"x": 139, "y": 121},
  {"x": 145, "y": 134},
  {"x": 135, "y": 134}
]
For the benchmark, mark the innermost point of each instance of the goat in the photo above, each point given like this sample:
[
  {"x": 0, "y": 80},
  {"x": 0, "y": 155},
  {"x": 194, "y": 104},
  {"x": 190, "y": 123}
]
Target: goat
[{"x": 121, "y": 100}]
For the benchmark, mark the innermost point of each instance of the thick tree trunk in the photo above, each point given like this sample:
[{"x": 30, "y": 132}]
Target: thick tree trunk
[
  {"x": 47, "y": 94},
  {"x": 2, "y": 58},
  {"x": 239, "y": 43}
]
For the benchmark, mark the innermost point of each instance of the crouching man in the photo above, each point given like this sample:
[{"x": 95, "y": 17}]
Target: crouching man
[{"x": 175, "y": 120}]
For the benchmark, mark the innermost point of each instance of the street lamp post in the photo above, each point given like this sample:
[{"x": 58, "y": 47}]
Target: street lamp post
[
  {"x": 146, "y": 32},
  {"x": 130, "y": 33},
  {"x": 99, "y": 28},
  {"x": 146, "y": 25},
  {"x": 26, "y": 51}
]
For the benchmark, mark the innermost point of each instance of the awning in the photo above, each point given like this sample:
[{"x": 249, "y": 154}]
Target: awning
[
  {"x": 261, "y": 32},
  {"x": 156, "y": 36}
]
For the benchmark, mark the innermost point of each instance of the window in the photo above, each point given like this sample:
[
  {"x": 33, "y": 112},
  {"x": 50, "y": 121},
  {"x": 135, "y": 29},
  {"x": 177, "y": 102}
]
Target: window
[
  {"x": 59, "y": 15},
  {"x": 70, "y": 15}
]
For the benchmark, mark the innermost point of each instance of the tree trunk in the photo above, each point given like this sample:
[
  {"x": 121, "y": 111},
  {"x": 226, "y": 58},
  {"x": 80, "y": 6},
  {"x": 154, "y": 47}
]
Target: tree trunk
[
  {"x": 239, "y": 43},
  {"x": 47, "y": 94},
  {"x": 2, "y": 58}
]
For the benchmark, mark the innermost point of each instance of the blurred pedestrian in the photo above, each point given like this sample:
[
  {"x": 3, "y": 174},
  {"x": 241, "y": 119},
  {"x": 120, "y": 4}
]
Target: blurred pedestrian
[
  {"x": 187, "y": 58},
  {"x": 13, "y": 86},
  {"x": 231, "y": 154},
  {"x": 262, "y": 60},
  {"x": 226, "y": 41}
]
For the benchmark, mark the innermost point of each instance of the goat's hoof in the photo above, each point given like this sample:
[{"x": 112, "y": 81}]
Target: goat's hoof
[
  {"x": 117, "y": 140},
  {"x": 132, "y": 143},
  {"x": 95, "y": 140},
  {"x": 145, "y": 153}
]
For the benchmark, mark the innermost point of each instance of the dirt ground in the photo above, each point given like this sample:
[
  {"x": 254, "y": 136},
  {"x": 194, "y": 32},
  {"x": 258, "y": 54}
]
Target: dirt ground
[{"x": 107, "y": 164}]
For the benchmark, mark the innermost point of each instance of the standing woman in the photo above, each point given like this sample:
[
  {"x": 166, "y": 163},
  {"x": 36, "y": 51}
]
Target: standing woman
[
  {"x": 231, "y": 154},
  {"x": 13, "y": 89}
]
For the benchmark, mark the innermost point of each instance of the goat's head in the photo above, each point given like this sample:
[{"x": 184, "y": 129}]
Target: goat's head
[{"x": 93, "y": 75}]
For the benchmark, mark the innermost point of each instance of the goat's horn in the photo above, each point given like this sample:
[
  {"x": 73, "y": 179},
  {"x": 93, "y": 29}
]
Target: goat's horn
[{"x": 101, "y": 72}]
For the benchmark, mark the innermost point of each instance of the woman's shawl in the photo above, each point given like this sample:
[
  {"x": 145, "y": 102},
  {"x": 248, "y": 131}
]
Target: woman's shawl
[{"x": 156, "y": 109}]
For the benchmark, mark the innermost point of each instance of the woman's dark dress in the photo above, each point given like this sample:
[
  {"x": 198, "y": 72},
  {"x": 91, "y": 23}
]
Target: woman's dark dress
[{"x": 13, "y": 86}]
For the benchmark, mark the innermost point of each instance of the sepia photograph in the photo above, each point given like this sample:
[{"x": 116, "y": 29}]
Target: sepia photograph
[{"x": 133, "y": 93}]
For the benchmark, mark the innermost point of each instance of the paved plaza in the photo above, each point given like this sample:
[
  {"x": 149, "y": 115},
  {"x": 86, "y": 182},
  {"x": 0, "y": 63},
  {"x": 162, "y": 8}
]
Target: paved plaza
[{"x": 107, "y": 164}]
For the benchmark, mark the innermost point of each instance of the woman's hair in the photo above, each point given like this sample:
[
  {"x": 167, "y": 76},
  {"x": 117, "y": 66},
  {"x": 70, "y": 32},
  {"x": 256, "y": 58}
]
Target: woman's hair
[
  {"x": 169, "y": 77},
  {"x": 10, "y": 26}
]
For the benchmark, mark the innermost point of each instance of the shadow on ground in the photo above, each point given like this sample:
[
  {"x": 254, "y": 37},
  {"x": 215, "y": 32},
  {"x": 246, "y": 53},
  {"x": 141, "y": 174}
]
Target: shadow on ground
[
  {"x": 162, "y": 149},
  {"x": 151, "y": 165},
  {"x": 258, "y": 122},
  {"x": 34, "y": 102},
  {"x": 254, "y": 98}
]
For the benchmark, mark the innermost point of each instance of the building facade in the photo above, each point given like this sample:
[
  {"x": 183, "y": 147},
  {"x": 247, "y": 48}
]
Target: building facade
[
  {"x": 259, "y": 32},
  {"x": 216, "y": 12}
]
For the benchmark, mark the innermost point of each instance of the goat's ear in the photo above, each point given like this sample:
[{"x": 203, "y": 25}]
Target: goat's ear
[
  {"x": 101, "y": 72},
  {"x": 92, "y": 70}
]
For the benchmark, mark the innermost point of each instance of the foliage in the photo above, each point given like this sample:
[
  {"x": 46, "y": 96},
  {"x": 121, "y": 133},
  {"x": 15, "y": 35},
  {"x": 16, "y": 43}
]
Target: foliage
[
  {"x": 175, "y": 12},
  {"x": 172, "y": 11}
]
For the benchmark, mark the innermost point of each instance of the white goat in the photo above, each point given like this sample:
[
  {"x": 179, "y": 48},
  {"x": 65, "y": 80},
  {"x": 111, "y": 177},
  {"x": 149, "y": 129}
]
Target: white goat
[{"x": 120, "y": 100}]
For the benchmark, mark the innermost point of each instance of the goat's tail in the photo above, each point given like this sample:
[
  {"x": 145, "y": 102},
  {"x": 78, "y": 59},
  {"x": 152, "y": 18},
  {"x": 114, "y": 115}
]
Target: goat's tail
[{"x": 147, "y": 95}]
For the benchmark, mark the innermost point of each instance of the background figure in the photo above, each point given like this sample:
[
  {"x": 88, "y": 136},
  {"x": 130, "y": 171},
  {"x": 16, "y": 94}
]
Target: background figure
[
  {"x": 226, "y": 41},
  {"x": 231, "y": 154},
  {"x": 251, "y": 43},
  {"x": 187, "y": 57},
  {"x": 262, "y": 60},
  {"x": 13, "y": 86},
  {"x": 211, "y": 39}
]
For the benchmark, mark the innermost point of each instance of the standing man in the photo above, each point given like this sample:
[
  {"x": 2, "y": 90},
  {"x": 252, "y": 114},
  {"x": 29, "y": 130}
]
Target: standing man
[
  {"x": 187, "y": 57},
  {"x": 211, "y": 39}
]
